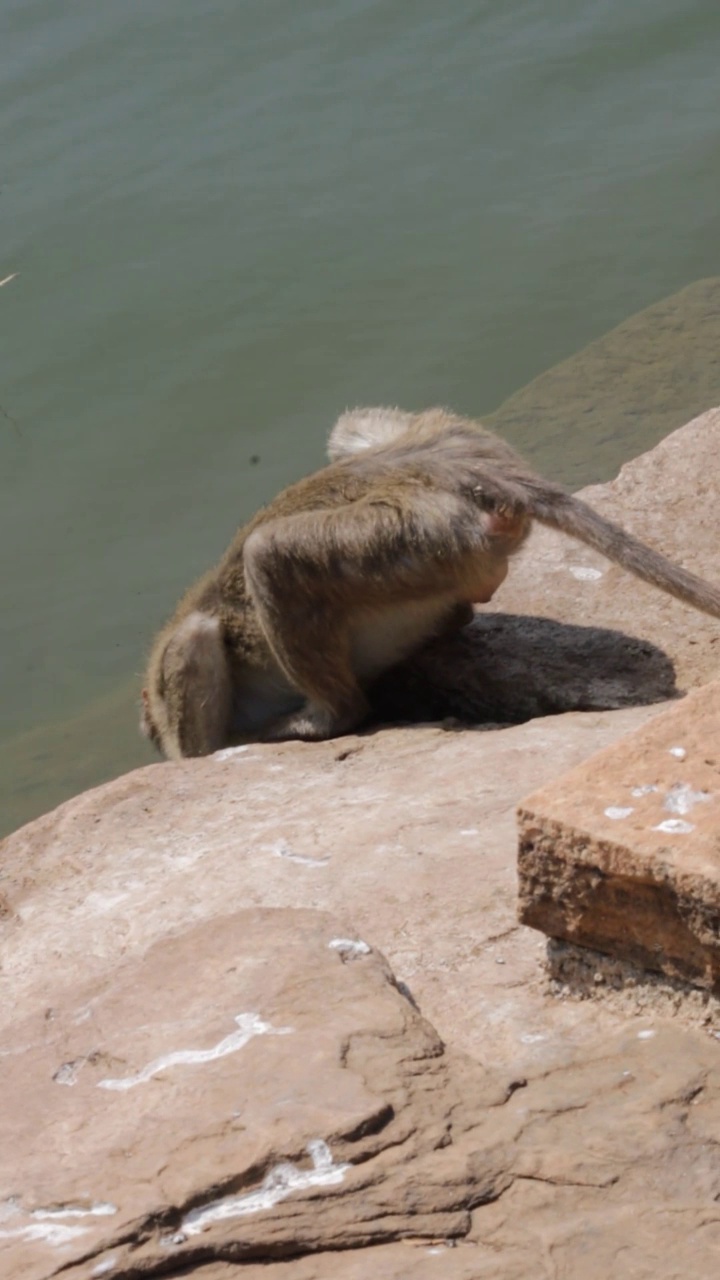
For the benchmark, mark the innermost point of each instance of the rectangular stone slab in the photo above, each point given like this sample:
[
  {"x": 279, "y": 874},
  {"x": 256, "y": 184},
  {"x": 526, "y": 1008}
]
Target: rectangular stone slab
[{"x": 622, "y": 854}]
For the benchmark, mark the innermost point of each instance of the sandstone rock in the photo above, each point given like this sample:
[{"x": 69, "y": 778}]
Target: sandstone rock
[
  {"x": 409, "y": 835},
  {"x": 615, "y": 1173},
  {"x": 622, "y": 854},
  {"x": 256, "y": 1090},
  {"x": 209, "y": 1098},
  {"x": 117, "y": 951}
]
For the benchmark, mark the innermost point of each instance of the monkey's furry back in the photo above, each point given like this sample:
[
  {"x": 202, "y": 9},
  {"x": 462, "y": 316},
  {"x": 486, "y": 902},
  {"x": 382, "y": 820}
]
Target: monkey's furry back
[{"x": 469, "y": 457}]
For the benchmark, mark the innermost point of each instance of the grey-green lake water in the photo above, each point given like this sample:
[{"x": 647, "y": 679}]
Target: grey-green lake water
[{"x": 231, "y": 220}]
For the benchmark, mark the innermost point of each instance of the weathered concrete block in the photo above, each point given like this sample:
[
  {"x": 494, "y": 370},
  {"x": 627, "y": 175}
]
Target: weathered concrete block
[{"x": 622, "y": 854}]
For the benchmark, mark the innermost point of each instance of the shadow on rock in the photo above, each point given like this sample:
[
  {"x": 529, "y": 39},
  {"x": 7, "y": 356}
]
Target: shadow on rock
[{"x": 506, "y": 669}]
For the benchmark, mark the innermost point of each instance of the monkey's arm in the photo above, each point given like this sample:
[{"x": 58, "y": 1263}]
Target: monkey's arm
[
  {"x": 300, "y": 591},
  {"x": 187, "y": 704}
]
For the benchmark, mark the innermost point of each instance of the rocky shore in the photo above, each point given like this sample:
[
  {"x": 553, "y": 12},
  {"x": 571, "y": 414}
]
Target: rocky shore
[{"x": 271, "y": 1014}]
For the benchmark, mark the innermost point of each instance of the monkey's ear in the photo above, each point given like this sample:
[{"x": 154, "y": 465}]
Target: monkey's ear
[{"x": 145, "y": 699}]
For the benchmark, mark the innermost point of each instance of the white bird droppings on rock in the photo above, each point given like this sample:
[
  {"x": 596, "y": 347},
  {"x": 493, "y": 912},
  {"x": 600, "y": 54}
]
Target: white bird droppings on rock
[
  {"x": 177, "y": 1237},
  {"x": 277, "y": 1185},
  {"x": 585, "y": 574},
  {"x": 681, "y": 798},
  {"x": 230, "y": 753},
  {"x": 54, "y": 1233},
  {"x": 68, "y": 1073},
  {"x": 281, "y": 849},
  {"x": 104, "y": 1268},
  {"x": 249, "y": 1025},
  {"x": 98, "y": 1209},
  {"x": 350, "y": 947},
  {"x": 48, "y": 1226}
]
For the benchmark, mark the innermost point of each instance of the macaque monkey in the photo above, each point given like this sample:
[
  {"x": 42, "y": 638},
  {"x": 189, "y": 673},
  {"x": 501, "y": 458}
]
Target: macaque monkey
[{"x": 353, "y": 569}]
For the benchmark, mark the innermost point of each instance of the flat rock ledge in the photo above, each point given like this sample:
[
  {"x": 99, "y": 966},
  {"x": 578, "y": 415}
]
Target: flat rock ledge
[{"x": 622, "y": 854}]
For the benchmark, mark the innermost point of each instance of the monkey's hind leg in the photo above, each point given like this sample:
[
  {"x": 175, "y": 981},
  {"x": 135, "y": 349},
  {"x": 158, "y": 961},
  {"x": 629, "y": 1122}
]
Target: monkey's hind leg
[
  {"x": 196, "y": 689},
  {"x": 312, "y": 575}
]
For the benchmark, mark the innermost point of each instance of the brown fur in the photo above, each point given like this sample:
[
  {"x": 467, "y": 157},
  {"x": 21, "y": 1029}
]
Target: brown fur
[{"x": 352, "y": 569}]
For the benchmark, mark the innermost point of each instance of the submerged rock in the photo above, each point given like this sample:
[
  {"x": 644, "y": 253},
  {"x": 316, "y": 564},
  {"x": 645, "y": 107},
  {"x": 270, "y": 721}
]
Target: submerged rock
[{"x": 625, "y": 391}]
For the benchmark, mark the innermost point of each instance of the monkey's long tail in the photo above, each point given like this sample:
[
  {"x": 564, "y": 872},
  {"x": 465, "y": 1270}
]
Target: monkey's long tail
[{"x": 572, "y": 516}]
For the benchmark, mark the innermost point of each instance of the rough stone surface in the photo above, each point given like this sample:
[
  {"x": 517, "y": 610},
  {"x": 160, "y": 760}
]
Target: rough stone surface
[
  {"x": 409, "y": 835},
  {"x": 121, "y": 947},
  {"x": 257, "y": 1089},
  {"x": 208, "y": 1096},
  {"x": 622, "y": 854}
]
